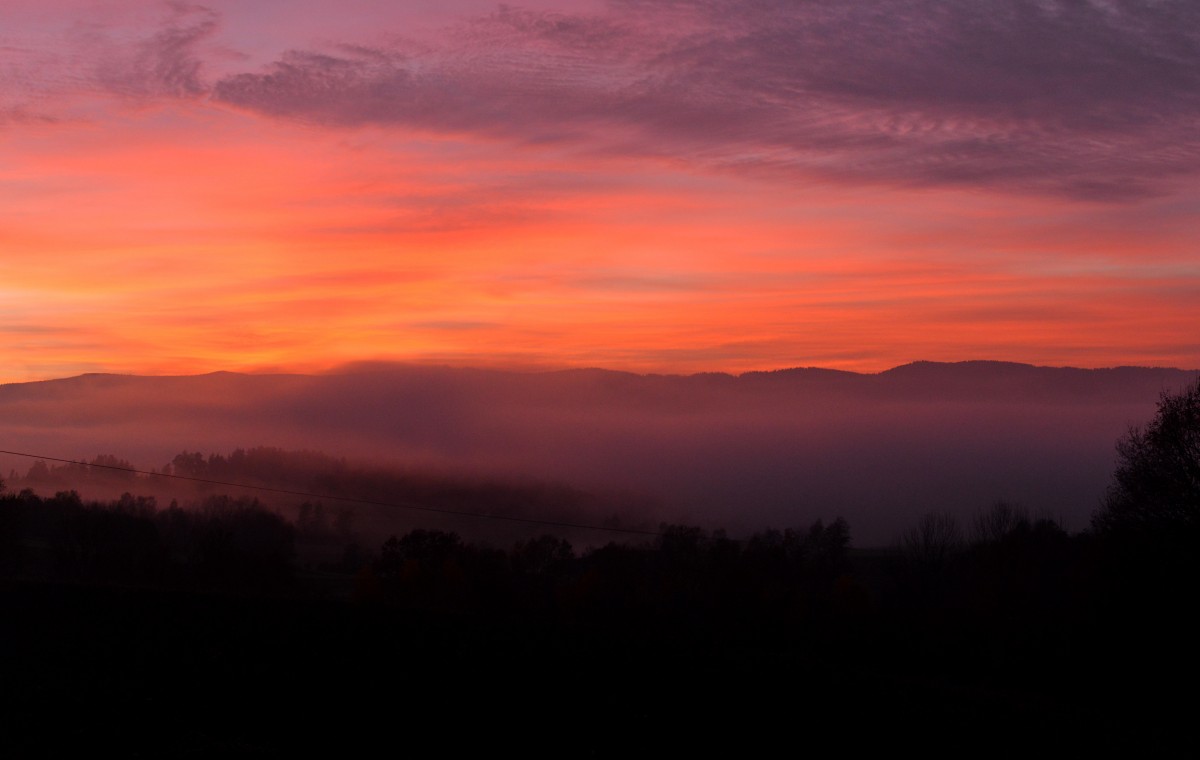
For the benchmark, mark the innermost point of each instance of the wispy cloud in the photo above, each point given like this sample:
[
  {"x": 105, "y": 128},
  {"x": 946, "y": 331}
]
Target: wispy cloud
[
  {"x": 44, "y": 73},
  {"x": 1081, "y": 99},
  {"x": 164, "y": 63},
  {"x": 1096, "y": 100}
]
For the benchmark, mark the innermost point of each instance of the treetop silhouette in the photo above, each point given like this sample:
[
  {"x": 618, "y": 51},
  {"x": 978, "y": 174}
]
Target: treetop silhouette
[{"x": 1156, "y": 486}]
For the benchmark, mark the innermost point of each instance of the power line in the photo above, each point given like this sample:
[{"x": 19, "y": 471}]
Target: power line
[{"x": 328, "y": 497}]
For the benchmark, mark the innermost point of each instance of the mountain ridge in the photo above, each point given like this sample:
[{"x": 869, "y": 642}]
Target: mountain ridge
[{"x": 920, "y": 366}]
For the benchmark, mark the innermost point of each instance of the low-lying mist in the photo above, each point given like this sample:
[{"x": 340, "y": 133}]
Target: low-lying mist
[{"x": 780, "y": 449}]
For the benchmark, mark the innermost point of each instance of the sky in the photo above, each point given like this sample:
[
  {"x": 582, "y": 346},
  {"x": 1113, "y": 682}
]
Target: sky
[{"x": 647, "y": 185}]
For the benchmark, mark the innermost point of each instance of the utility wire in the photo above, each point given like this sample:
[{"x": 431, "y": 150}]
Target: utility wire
[{"x": 328, "y": 497}]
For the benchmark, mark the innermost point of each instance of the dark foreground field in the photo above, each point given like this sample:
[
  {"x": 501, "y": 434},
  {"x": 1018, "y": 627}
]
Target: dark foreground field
[
  {"x": 609, "y": 664},
  {"x": 228, "y": 630}
]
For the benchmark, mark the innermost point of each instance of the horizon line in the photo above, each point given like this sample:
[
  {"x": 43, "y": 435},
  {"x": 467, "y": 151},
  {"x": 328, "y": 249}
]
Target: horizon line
[{"x": 369, "y": 365}]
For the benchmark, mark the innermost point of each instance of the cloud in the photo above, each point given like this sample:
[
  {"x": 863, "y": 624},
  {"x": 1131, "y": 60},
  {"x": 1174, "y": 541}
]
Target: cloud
[
  {"x": 47, "y": 74},
  {"x": 16, "y": 114},
  {"x": 24, "y": 80},
  {"x": 629, "y": 283},
  {"x": 1090, "y": 100},
  {"x": 1097, "y": 100},
  {"x": 456, "y": 325},
  {"x": 165, "y": 63}
]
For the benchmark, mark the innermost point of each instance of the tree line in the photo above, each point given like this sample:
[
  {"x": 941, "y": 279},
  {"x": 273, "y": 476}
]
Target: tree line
[{"x": 1004, "y": 622}]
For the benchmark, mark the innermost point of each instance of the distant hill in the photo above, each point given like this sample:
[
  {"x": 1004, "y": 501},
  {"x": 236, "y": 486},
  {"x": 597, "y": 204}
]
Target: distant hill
[{"x": 779, "y": 448}]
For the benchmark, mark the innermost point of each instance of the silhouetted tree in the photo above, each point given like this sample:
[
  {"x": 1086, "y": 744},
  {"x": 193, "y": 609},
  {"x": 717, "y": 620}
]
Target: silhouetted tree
[
  {"x": 827, "y": 543},
  {"x": 998, "y": 523},
  {"x": 1156, "y": 487},
  {"x": 430, "y": 547},
  {"x": 189, "y": 465},
  {"x": 12, "y": 531},
  {"x": 230, "y": 543},
  {"x": 541, "y": 555},
  {"x": 112, "y": 467},
  {"x": 38, "y": 472},
  {"x": 932, "y": 540}
]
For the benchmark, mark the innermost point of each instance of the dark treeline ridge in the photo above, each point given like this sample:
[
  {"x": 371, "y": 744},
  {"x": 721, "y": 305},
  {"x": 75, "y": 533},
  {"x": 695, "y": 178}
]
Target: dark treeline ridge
[
  {"x": 1018, "y": 622},
  {"x": 223, "y": 543},
  {"x": 202, "y": 631}
]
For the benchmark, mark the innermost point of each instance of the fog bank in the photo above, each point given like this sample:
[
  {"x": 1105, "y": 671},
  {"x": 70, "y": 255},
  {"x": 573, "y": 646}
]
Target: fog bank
[{"x": 778, "y": 448}]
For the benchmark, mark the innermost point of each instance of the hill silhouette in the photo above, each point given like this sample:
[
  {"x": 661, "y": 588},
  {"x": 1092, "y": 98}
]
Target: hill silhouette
[{"x": 782, "y": 447}]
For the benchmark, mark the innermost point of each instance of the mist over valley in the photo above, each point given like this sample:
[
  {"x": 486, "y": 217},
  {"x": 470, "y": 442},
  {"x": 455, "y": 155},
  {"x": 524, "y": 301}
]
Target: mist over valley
[{"x": 737, "y": 452}]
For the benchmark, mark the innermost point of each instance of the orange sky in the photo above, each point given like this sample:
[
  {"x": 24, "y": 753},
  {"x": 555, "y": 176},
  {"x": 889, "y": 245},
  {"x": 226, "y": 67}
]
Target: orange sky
[{"x": 179, "y": 193}]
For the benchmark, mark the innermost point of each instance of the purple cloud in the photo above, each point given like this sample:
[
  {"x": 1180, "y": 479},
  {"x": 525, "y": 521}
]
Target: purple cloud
[
  {"x": 166, "y": 63},
  {"x": 44, "y": 73},
  {"x": 1094, "y": 100}
]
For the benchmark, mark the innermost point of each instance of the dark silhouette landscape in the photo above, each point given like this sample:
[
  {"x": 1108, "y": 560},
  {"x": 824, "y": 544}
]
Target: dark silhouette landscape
[{"x": 269, "y": 601}]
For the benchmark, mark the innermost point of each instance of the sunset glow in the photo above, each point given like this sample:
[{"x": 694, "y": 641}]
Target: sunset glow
[{"x": 663, "y": 187}]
